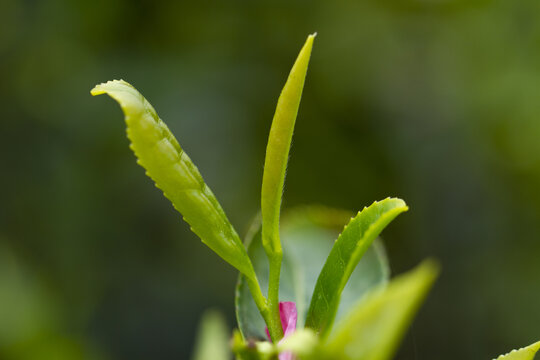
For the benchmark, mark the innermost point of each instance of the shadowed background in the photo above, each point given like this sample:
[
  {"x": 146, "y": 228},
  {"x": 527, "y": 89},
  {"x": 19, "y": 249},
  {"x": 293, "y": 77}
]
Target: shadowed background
[{"x": 434, "y": 101}]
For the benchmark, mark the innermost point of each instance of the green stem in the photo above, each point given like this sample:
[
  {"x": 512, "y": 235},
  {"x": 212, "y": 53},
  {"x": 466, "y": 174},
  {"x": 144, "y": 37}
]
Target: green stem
[
  {"x": 260, "y": 301},
  {"x": 275, "y": 329}
]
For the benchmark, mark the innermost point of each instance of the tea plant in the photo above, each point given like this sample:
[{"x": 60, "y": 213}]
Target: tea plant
[{"x": 310, "y": 281}]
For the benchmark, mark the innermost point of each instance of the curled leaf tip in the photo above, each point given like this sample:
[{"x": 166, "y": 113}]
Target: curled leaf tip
[
  {"x": 102, "y": 88},
  {"x": 165, "y": 162}
]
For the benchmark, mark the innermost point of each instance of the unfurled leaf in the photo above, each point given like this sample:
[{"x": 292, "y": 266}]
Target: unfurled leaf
[
  {"x": 349, "y": 248},
  {"x": 308, "y": 234},
  {"x": 213, "y": 338},
  {"x": 277, "y": 150},
  {"x": 175, "y": 174},
  {"x": 526, "y": 353},
  {"x": 375, "y": 327}
]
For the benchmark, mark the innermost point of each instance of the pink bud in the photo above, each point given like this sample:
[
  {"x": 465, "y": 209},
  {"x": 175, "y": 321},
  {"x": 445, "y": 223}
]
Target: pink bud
[{"x": 288, "y": 316}]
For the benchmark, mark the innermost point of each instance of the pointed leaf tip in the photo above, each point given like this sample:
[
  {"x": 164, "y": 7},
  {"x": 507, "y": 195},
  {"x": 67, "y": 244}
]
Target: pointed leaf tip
[{"x": 279, "y": 144}]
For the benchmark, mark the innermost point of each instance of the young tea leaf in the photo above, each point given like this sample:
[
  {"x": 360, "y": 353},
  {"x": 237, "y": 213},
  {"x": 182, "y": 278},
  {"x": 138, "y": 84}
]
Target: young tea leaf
[
  {"x": 277, "y": 153},
  {"x": 277, "y": 150},
  {"x": 213, "y": 338},
  {"x": 375, "y": 327},
  {"x": 308, "y": 234},
  {"x": 347, "y": 251},
  {"x": 526, "y": 353},
  {"x": 175, "y": 174}
]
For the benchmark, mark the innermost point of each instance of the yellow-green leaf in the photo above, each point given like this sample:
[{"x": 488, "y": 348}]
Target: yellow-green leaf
[
  {"x": 526, "y": 353},
  {"x": 375, "y": 327},
  {"x": 175, "y": 174},
  {"x": 308, "y": 233},
  {"x": 277, "y": 154},
  {"x": 277, "y": 150},
  {"x": 346, "y": 253}
]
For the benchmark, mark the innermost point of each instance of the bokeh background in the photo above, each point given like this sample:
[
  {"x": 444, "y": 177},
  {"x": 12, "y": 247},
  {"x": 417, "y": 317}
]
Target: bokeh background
[{"x": 434, "y": 101}]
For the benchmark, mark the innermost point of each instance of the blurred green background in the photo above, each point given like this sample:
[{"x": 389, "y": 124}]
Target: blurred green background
[{"x": 434, "y": 101}]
